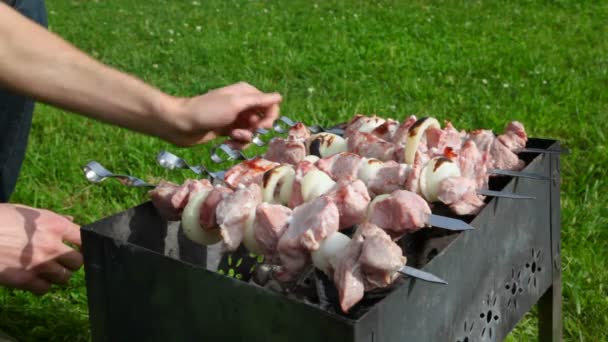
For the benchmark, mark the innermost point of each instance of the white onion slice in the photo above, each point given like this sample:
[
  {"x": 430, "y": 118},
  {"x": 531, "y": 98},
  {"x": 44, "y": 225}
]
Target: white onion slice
[
  {"x": 329, "y": 249},
  {"x": 436, "y": 170},
  {"x": 370, "y": 123},
  {"x": 249, "y": 240},
  {"x": 315, "y": 184},
  {"x": 273, "y": 184},
  {"x": 287, "y": 187},
  {"x": 326, "y": 144},
  {"x": 368, "y": 170},
  {"x": 414, "y": 135},
  {"x": 191, "y": 225},
  {"x": 372, "y": 204},
  {"x": 311, "y": 158}
]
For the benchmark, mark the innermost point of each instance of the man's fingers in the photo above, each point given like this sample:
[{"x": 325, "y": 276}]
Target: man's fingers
[
  {"x": 237, "y": 145},
  {"x": 207, "y": 137},
  {"x": 25, "y": 280},
  {"x": 272, "y": 114},
  {"x": 259, "y": 100},
  {"x": 242, "y": 135},
  {"x": 72, "y": 234},
  {"x": 245, "y": 87},
  {"x": 69, "y": 258},
  {"x": 38, "y": 286},
  {"x": 54, "y": 272},
  {"x": 255, "y": 118}
]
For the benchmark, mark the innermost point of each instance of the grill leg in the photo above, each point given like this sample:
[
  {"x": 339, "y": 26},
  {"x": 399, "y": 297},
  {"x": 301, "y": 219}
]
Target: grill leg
[
  {"x": 550, "y": 304},
  {"x": 550, "y": 314}
]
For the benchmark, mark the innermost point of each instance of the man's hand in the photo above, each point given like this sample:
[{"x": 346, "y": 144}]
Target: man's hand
[
  {"x": 234, "y": 111},
  {"x": 33, "y": 254}
]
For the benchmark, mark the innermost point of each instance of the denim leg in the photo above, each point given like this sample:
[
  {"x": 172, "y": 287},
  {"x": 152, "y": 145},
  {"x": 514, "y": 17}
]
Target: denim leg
[{"x": 16, "y": 113}]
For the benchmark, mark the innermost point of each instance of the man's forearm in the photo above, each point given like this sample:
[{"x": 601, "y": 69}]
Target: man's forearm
[{"x": 41, "y": 65}]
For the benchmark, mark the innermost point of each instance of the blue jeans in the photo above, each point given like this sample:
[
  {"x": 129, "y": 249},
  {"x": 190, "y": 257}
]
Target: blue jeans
[{"x": 16, "y": 113}]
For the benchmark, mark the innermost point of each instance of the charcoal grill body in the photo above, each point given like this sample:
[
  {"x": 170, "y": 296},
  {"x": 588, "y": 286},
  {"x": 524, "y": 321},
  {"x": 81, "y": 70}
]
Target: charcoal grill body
[{"x": 146, "y": 282}]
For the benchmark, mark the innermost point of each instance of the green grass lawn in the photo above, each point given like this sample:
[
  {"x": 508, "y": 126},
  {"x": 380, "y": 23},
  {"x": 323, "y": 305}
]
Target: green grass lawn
[{"x": 479, "y": 64}]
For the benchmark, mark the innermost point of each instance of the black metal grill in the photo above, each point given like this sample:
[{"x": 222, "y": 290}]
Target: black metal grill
[{"x": 147, "y": 282}]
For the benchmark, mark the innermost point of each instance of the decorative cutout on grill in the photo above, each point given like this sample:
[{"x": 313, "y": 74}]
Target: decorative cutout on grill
[
  {"x": 489, "y": 316},
  {"x": 522, "y": 279},
  {"x": 513, "y": 288},
  {"x": 239, "y": 264},
  {"x": 533, "y": 268},
  {"x": 468, "y": 333}
]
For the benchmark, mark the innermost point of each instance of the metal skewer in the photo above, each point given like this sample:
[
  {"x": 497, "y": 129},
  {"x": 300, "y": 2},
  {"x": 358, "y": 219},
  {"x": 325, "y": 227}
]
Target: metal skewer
[
  {"x": 231, "y": 154},
  {"x": 502, "y": 194},
  {"x": 518, "y": 174},
  {"x": 422, "y": 275},
  {"x": 448, "y": 223},
  {"x": 96, "y": 173},
  {"x": 256, "y": 137},
  {"x": 171, "y": 161},
  {"x": 278, "y": 127}
]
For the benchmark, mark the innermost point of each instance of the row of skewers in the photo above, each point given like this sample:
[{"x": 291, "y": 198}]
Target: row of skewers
[{"x": 379, "y": 175}]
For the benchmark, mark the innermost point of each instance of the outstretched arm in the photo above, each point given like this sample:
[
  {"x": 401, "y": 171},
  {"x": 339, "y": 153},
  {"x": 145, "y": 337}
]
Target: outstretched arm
[{"x": 49, "y": 69}]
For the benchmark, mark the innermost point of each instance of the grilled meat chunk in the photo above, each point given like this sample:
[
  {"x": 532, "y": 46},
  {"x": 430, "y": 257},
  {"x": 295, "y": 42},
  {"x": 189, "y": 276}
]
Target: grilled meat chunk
[
  {"x": 390, "y": 177},
  {"x": 285, "y": 151},
  {"x": 362, "y": 123},
  {"x": 401, "y": 212},
  {"x": 311, "y": 222},
  {"x": 248, "y": 172},
  {"x": 370, "y": 146},
  {"x": 271, "y": 221},
  {"x": 459, "y": 193},
  {"x": 299, "y": 131},
  {"x": 342, "y": 166},
  {"x": 170, "y": 199},
  {"x": 371, "y": 260},
  {"x": 208, "y": 216},
  {"x": 352, "y": 199},
  {"x": 236, "y": 211}
]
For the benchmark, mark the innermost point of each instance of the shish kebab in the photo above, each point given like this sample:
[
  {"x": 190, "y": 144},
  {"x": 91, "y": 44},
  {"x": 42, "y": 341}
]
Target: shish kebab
[
  {"x": 387, "y": 129},
  {"x": 377, "y": 138},
  {"x": 440, "y": 179},
  {"x": 307, "y": 234},
  {"x": 467, "y": 175},
  {"x": 350, "y": 195},
  {"x": 305, "y": 183},
  {"x": 459, "y": 192},
  {"x": 387, "y": 139}
]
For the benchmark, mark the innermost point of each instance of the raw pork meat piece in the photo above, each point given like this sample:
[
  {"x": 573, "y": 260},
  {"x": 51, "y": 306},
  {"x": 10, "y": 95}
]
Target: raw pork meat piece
[
  {"x": 311, "y": 222},
  {"x": 248, "y": 172},
  {"x": 236, "y": 211},
  {"x": 271, "y": 221},
  {"x": 285, "y": 151},
  {"x": 402, "y": 212}
]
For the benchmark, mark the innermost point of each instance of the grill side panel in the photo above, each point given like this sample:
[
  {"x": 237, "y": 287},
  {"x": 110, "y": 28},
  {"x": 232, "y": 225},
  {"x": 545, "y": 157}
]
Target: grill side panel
[
  {"x": 165, "y": 292},
  {"x": 496, "y": 273}
]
